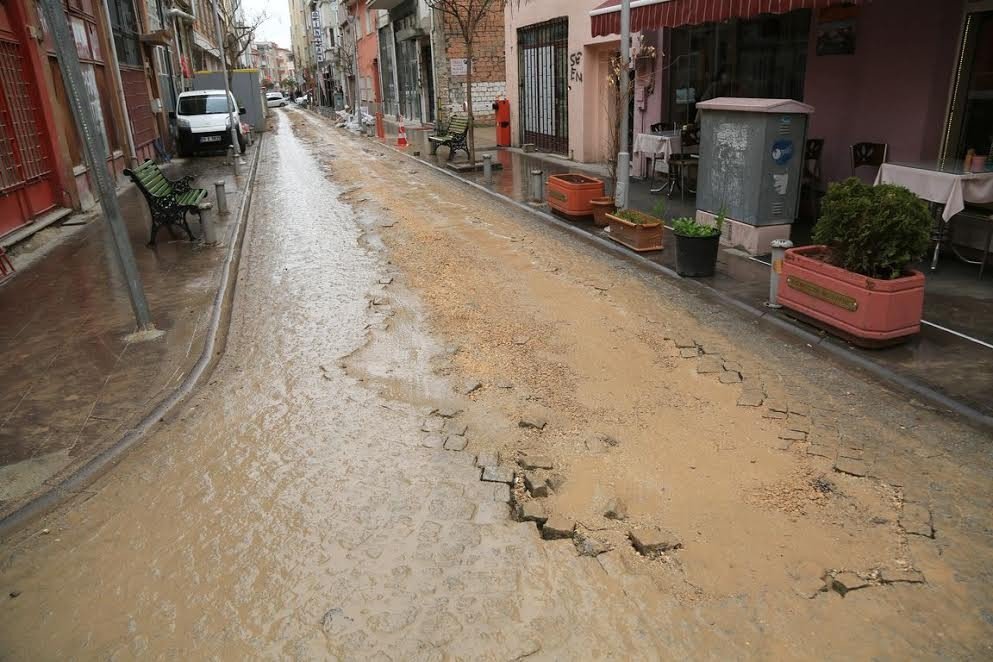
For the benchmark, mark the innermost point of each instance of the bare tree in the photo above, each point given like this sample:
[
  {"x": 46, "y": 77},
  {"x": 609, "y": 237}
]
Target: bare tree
[
  {"x": 467, "y": 15},
  {"x": 240, "y": 30}
]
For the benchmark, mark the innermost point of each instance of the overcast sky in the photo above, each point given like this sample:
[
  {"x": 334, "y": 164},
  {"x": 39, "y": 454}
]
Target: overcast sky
[{"x": 277, "y": 27}]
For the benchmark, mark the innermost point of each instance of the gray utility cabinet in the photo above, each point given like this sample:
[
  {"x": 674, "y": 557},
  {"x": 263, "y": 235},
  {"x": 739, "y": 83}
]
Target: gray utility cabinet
[{"x": 751, "y": 158}]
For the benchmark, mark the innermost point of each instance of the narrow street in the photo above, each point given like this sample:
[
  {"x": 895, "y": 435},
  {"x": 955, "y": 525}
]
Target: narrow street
[{"x": 320, "y": 498}]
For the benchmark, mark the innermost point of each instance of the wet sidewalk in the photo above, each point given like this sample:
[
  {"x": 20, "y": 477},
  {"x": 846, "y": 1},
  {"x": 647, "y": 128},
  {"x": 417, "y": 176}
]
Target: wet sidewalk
[
  {"x": 951, "y": 357},
  {"x": 74, "y": 383}
]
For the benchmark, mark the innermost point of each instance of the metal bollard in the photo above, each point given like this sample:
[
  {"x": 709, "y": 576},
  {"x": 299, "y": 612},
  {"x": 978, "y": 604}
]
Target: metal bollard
[
  {"x": 538, "y": 185},
  {"x": 222, "y": 198},
  {"x": 779, "y": 247},
  {"x": 488, "y": 168},
  {"x": 207, "y": 222},
  {"x": 235, "y": 157}
]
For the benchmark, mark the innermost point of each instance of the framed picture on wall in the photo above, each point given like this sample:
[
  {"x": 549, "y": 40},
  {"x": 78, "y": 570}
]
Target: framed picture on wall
[{"x": 836, "y": 31}]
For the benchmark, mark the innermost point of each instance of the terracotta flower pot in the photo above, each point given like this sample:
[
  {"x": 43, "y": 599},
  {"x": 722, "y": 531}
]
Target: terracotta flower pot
[
  {"x": 869, "y": 312},
  {"x": 641, "y": 237},
  {"x": 602, "y": 207},
  {"x": 571, "y": 194}
]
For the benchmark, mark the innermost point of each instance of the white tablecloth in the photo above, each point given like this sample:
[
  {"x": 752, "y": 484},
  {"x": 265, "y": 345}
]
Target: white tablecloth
[
  {"x": 662, "y": 145},
  {"x": 657, "y": 144},
  {"x": 945, "y": 188}
]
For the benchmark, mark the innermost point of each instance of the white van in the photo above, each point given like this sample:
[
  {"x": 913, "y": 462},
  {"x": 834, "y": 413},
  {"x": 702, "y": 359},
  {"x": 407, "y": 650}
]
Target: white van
[{"x": 203, "y": 121}]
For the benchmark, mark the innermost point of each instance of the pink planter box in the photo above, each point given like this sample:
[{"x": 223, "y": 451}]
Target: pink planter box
[{"x": 865, "y": 309}]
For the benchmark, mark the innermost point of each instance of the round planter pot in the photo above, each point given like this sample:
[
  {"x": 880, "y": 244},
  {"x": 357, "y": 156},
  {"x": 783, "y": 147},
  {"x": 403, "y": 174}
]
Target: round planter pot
[
  {"x": 697, "y": 256},
  {"x": 602, "y": 207}
]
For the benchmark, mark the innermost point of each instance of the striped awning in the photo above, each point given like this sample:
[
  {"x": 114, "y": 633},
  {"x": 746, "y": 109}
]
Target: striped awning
[{"x": 649, "y": 15}]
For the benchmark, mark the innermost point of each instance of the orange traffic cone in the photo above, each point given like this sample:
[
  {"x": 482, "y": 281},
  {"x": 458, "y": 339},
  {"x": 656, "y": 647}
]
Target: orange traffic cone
[{"x": 402, "y": 135}]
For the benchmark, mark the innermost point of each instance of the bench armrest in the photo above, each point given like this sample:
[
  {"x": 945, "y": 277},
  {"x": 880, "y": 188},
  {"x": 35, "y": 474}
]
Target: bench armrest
[{"x": 182, "y": 185}]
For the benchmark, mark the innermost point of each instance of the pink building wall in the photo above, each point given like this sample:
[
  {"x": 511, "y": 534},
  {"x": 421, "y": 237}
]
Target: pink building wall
[
  {"x": 894, "y": 89},
  {"x": 587, "y": 124}
]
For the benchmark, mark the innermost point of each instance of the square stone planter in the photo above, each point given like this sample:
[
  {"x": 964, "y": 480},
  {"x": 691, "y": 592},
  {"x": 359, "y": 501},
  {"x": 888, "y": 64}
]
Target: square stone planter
[
  {"x": 640, "y": 237},
  {"x": 869, "y": 312},
  {"x": 572, "y": 194}
]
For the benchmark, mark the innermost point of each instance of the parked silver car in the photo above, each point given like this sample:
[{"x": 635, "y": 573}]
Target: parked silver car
[{"x": 275, "y": 100}]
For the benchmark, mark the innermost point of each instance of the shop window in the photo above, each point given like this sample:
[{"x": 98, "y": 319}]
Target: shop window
[
  {"x": 971, "y": 125},
  {"x": 764, "y": 57}
]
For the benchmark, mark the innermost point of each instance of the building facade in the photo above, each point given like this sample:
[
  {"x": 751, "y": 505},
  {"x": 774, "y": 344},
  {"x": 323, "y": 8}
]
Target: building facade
[
  {"x": 136, "y": 57},
  {"x": 909, "y": 73},
  {"x": 43, "y": 174},
  {"x": 489, "y": 66},
  {"x": 275, "y": 64},
  {"x": 303, "y": 56}
]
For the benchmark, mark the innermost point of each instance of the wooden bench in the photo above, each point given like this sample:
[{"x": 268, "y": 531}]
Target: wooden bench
[
  {"x": 453, "y": 137},
  {"x": 168, "y": 201}
]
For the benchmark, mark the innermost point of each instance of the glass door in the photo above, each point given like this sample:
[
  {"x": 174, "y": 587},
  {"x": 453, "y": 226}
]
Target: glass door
[{"x": 970, "y": 125}]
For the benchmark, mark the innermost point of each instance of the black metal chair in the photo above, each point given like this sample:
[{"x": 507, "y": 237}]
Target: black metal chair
[
  {"x": 681, "y": 164},
  {"x": 868, "y": 154},
  {"x": 658, "y": 128},
  {"x": 812, "y": 174},
  {"x": 975, "y": 214}
]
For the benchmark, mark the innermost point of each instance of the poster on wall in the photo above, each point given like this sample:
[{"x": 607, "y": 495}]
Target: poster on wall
[{"x": 836, "y": 31}]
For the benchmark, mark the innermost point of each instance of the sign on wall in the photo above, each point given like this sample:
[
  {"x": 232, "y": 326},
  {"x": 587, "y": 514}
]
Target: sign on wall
[
  {"x": 836, "y": 31},
  {"x": 460, "y": 66}
]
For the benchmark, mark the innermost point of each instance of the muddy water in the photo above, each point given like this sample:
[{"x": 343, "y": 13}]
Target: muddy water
[{"x": 288, "y": 511}]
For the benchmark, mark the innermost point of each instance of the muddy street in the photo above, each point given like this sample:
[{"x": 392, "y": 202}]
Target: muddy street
[{"x": 706, "y": 490}]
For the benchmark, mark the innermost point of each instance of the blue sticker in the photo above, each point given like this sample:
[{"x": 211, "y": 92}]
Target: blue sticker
[{"x": 782, "y": 151}]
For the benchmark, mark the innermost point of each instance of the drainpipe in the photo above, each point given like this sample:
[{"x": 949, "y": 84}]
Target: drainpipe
[
  {"x": 119, "y": 84},
  {"x": 178, "y": 15}
]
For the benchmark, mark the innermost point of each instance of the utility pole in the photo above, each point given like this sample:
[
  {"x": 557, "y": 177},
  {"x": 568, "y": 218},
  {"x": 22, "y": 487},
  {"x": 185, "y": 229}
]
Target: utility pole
[
  {"x": 623, "y": 156},
  {"x": 227, "y": 84},
  {"x": 95, "y": 152}
]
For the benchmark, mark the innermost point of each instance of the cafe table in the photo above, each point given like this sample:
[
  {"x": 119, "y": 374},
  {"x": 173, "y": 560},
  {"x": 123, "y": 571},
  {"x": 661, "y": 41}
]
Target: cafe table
[
  {"x": 657, "y": 145},
  {"x": 660, "y": 146},
  {"x": 946, "y": 185}
]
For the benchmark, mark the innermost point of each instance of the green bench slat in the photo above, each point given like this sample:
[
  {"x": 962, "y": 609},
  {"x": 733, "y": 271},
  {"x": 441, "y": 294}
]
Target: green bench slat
[
  {"x": 192, "y": 197},
  {"x": 160, "y": 189}
]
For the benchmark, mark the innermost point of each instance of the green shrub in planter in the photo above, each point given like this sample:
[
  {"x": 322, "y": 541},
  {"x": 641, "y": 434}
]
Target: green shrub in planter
[
  {"x": 688, "y": 227},
  {"x": 696, "y": 246},
  {"x": 875, "y": 231}
]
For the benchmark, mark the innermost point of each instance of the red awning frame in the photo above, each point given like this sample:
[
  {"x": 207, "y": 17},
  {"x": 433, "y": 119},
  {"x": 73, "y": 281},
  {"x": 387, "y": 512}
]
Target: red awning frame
[{"x": 648, "y": 15}]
